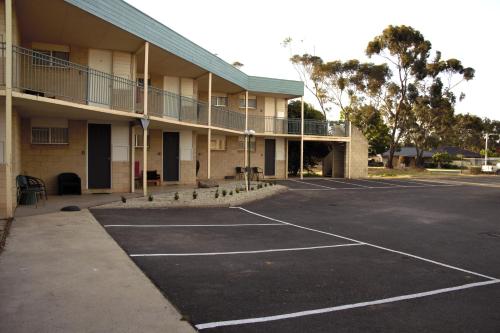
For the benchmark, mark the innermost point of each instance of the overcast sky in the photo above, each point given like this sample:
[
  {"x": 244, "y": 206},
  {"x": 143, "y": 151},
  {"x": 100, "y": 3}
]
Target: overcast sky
[{"x": 251, "y": 32}]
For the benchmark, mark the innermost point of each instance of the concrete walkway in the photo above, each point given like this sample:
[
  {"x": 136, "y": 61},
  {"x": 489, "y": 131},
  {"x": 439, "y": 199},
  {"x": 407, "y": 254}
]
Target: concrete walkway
[{"x": 61, "y": 272}]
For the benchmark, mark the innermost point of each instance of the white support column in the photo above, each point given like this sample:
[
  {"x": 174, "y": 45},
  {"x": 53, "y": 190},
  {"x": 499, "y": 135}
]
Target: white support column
[
  {"x": 132, "y": 158},
  {"x": 209, "y": 138},
  {"x": 350, "y": 151},
  {"x": 246, "y": 129},
  {"x": 8, "y": 109},
  {"x": 302, "y": 137},
  {"x": 145, "y": 130},
  {"x": 286, "y": 158}
]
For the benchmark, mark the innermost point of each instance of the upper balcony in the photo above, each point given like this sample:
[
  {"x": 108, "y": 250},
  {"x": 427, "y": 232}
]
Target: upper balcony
[{"x": 41, "y": 74}]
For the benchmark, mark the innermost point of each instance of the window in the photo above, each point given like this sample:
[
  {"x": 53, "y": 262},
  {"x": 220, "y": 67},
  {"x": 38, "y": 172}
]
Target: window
[
  {"x": 252, "y": 102},
  {"x": 219, "y": 101},
  {"x": 218, "y": 142},
  {"x": 49, "y": 58},
  {"x": 49, "y": 135},
  {"x": 241, "y": 143}
]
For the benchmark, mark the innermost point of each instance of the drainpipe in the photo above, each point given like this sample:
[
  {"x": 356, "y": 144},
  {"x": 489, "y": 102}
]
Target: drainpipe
[{"x": 8, "y": 110}]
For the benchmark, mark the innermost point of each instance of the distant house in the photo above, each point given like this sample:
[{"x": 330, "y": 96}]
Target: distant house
[
  {"x": 455, "y": 151},
  {"x": 406, "y": 157}
]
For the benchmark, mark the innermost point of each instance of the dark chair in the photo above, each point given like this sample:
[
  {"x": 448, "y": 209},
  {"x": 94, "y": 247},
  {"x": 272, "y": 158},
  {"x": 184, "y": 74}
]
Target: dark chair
[
  {"x": 240, "y": 172},
  {"x": 69, "y": 183},
  {"x": 256, "y": 172},
  {"x": 37, "y": 183},
  {"x": 153, "y": 177},
  {"x": 25, "y": 193}
]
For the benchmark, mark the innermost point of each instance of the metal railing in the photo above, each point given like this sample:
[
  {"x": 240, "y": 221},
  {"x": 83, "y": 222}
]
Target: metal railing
[
  {"x": 225, "y": 118},
  {"x": 325, "y": 128},
  {"x": 43, "y": 75},
  {"x": 40, "y": 74},
  {"x": 169, "y": 105}
]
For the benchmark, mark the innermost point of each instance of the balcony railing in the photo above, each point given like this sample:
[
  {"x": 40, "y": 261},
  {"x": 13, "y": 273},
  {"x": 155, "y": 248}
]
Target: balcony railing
[
  {"x": 325, "y": 128},
  {"x": 169, "y": 105},
  {"x": 43, "y": 75},
  {"x": 39, "y": 74},
  {"x": 225, "y": 118}
]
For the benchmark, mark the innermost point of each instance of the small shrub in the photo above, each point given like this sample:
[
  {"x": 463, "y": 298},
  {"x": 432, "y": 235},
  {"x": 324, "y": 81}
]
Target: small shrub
[
  {"x": 224, "y": 192},
  {"x": 237, "y": 190},
  {"x": 251, "y": 188},
  {"x": 176, "y": 196},
  {"x": 195, "y": 195},
  {"x": 150, "y": 198},
  {"x": 265, "y": 184},
  {"x": 124, "y": 200},
  {"x": 259, "y": 186},
  {"x": 230, "y": 192},
  {"x": 217, "y": 194}
]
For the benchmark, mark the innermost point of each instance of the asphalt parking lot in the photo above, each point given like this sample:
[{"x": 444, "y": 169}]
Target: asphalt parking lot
[{"x": 328, "y": 255}]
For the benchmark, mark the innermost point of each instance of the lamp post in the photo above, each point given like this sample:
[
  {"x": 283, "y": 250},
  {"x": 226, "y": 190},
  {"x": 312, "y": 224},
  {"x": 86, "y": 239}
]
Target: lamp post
[
  {"x": 248, "y": 135},
  {"x": 486, "y": 149}
]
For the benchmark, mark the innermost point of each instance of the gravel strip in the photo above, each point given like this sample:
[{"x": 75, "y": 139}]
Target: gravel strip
[{"x": 205, "y": 197}]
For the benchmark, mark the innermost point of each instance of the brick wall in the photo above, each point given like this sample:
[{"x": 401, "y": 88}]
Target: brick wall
[
  {"x": 358, "y": 154},
  {"x": 47, "y": 161},
  {"x": 224, "y": 162},
  {"x": 120, "y": 173},
  {"x": 155, "y": 151}
]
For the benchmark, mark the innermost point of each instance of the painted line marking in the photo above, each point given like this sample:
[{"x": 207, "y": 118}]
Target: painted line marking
[
  {"x": 372, "y": 245},
  {"x": 413, "y": 181},
  {"x": 298, "y": 181},
  {"x": 342, "y": 307},
  {"x": 379, "y": 182},
  {"x": 341, "y": 182},
  {"x": 188, "y": 225},
  {"x": 242, "y": 252},
  {"x": 375, "y": 187}
]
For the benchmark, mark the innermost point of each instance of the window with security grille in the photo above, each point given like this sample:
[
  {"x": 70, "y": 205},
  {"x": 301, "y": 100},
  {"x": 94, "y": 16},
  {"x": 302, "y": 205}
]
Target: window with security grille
[
  {"x": 48, "y": 58},
  {"x": 252, "y": 102},
  {"x": 241, "y": 143},
  {"x": 219, "y": 101},
  {"x": 49, "y": 135}
]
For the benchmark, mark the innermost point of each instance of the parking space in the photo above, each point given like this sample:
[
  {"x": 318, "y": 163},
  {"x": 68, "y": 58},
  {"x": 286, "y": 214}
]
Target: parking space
[
  {"x": 320, "y": 261},
  {"x": 326, "y": 184}
]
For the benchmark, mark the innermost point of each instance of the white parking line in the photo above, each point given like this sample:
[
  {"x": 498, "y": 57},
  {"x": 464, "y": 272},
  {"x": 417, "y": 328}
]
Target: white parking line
[
  {"x": 342, "y": 182},
  {"x": 241, "y": 252},
  {"x": 188, "y": 225},
  {"x": 369, "y": 244},
  {"x": 342, "y": 307},
  {"x": 379, "y": 182},
  {"x": 298, "y": 181},
  {"x": 360, "y": 188}
]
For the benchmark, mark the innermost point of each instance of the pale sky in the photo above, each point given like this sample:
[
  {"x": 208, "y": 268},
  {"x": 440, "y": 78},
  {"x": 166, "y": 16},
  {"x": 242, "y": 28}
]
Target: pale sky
[{"x": 251, "y": 32}]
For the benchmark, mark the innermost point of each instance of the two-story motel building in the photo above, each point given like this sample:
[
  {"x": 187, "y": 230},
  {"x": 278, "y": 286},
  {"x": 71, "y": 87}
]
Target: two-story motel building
[{"x": 77, "y": 77}]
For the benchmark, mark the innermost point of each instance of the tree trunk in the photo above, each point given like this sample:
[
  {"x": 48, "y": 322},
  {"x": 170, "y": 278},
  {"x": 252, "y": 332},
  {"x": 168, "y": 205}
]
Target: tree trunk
[
  {"x": 392, "y": 150},
  {"x": 419, "y": 158}
]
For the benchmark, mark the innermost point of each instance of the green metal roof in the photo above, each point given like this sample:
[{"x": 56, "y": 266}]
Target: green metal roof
[{"x": 132, "y": 20}]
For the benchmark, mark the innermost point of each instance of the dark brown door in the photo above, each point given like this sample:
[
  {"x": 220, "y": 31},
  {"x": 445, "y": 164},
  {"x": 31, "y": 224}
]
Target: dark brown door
[
  {"x": 270, "y": 159},
  {"x": 99, "y": 155},
  {"x": 171, "y": 156}
]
